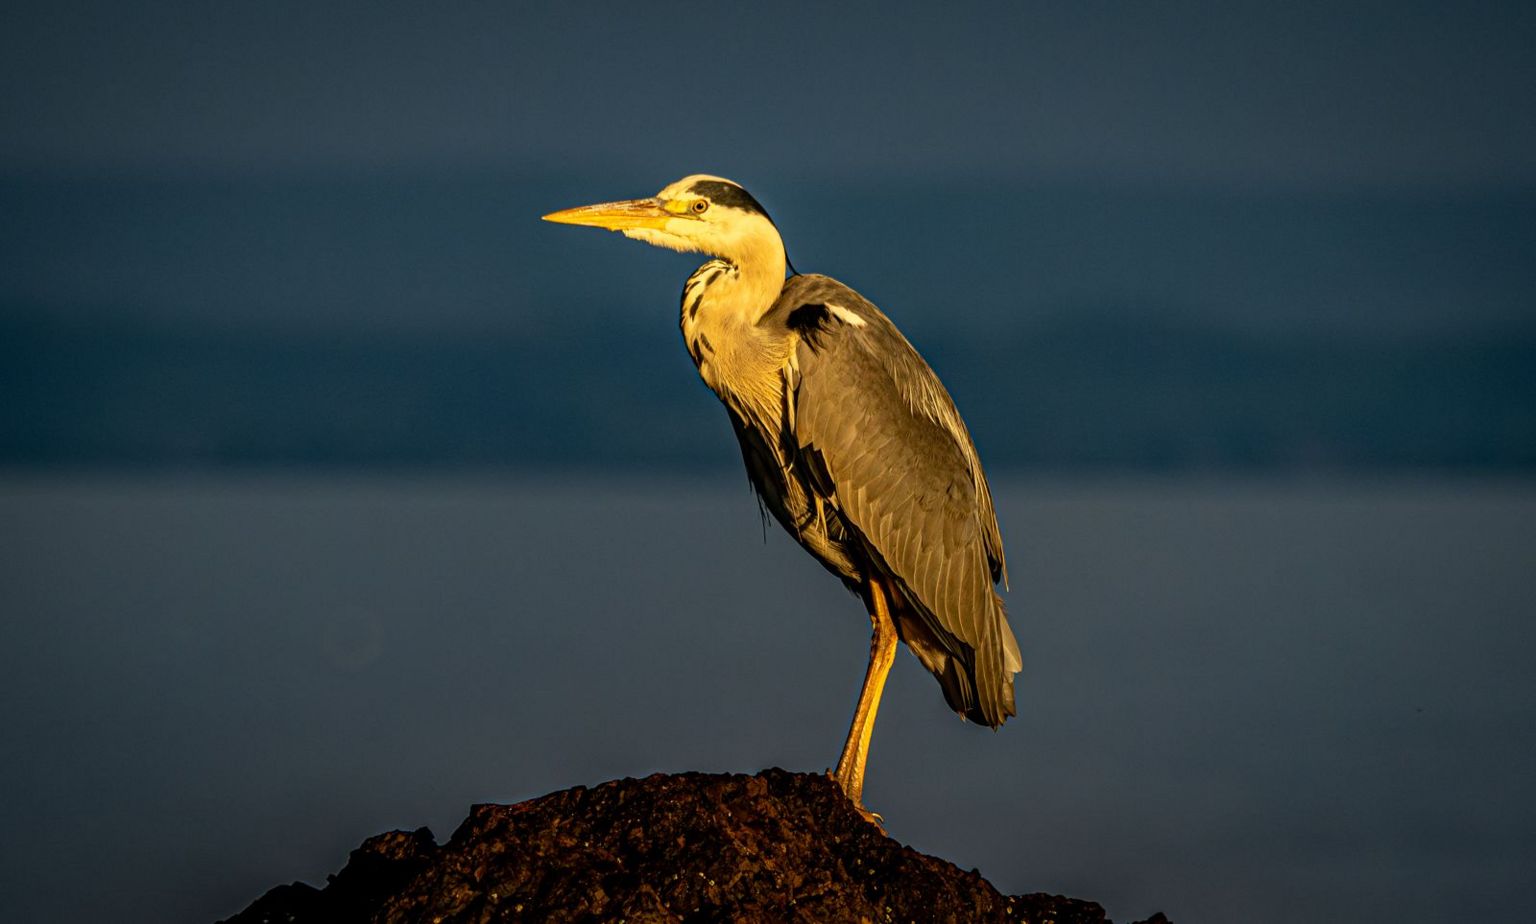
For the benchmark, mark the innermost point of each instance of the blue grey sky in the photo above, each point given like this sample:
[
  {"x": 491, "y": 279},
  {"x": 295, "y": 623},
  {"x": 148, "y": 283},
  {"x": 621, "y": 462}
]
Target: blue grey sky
[{"x": 1307, "y": 94}]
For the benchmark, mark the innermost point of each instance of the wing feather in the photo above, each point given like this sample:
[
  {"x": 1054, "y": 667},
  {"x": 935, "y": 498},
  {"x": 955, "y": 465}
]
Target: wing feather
[{"x": 903, "y": 472}]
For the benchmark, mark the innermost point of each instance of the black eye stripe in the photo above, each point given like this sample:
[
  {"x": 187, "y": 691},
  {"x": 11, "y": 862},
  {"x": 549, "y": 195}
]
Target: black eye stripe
[{"x": 728, "y": 195}]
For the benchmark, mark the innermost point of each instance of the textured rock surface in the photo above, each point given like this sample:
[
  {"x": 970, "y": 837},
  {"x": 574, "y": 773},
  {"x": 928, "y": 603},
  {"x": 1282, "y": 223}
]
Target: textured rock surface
[{"x": 686, "y": 848}]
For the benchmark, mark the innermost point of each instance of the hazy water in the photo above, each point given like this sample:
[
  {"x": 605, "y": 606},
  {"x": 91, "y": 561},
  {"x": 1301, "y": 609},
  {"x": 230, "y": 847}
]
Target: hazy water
[{"x": 1242, "y": 701}]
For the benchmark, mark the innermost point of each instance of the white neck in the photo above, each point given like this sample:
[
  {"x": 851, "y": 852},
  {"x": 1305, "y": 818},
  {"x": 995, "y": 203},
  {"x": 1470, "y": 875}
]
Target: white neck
[
  {"x": 722, "y": 303},
  {"x": 762, "y": 272}
]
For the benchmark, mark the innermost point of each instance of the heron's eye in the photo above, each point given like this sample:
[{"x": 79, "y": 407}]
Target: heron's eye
[{"x": 700, "y": 206}]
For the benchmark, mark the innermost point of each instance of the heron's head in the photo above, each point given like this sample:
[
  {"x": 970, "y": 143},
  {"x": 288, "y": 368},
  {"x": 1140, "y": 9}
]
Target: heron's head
[{"x": 698, "y": 213}]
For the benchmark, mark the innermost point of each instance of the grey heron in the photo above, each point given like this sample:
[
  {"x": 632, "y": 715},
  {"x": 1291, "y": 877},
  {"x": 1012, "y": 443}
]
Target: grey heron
[{"x": 849, "y": 439}]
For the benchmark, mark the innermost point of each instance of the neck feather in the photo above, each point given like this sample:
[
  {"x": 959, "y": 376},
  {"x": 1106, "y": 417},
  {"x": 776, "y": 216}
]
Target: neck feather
[
  {"x": 736, "y": 288},
  {"x": 758, "y": 274},
  {"x": 723, "y": 301}
]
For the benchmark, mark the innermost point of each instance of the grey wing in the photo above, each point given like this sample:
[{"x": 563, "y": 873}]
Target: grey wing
[{"x": 873, "y": 420}]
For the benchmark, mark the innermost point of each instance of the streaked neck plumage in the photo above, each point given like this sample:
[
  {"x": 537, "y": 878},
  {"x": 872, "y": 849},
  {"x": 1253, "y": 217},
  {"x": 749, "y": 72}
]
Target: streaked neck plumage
[{"x": 723, "y": 301}]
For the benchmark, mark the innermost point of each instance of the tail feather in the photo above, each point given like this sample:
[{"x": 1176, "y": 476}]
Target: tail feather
[{"x": 956, "y": 671}]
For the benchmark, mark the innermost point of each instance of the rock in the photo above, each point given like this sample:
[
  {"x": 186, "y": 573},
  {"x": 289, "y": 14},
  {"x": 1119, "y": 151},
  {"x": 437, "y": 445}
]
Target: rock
[{"x": 688, "y": 848}]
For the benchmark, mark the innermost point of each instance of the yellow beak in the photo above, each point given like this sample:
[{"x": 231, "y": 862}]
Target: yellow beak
[{"x": 615, "y": 216}]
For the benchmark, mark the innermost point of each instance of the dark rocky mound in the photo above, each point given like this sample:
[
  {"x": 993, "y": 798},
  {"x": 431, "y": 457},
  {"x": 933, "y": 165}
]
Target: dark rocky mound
[{"x": 688, "y": 848}]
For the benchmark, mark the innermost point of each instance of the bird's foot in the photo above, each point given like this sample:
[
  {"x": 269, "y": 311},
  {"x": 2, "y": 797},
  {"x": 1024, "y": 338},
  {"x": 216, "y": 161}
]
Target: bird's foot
[{"x": 873, "y": 818}]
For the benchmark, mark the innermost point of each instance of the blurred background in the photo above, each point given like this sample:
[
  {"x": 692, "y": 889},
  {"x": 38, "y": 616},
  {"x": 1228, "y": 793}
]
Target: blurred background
[{"x": 337, "y": 492}]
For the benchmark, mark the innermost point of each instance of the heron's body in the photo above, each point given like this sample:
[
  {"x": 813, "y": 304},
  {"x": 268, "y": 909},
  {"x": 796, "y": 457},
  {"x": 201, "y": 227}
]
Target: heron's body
[{"x": 850, "y": 441}]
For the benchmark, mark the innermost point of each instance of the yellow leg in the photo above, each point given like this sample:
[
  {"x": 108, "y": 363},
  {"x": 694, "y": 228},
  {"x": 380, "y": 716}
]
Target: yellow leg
[{"x": 882, "y": 652}]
